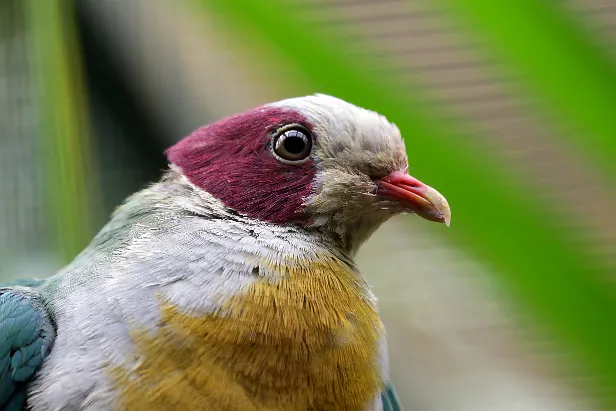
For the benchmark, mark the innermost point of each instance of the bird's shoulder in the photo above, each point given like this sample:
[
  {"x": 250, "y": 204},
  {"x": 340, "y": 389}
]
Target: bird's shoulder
[{"x": 26, "y": 337}]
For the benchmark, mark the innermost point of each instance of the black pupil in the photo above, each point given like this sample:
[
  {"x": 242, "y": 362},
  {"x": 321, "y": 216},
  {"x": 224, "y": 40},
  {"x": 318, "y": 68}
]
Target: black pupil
[{"x": 294, "y": 144}]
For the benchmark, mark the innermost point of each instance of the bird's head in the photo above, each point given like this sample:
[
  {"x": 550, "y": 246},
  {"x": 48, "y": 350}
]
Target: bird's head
[{"x": 315, "y": 161}]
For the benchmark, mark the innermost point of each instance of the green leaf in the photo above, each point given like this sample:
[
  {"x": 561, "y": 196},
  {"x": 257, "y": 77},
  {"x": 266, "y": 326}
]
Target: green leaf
[
  {"x": 70, "y": 179},
  {"x": 557, "y": 64},
  {"x": 495, "y": 216}
]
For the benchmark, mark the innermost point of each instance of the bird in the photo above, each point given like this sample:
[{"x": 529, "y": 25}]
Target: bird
[{"x": 230, "y": 284}]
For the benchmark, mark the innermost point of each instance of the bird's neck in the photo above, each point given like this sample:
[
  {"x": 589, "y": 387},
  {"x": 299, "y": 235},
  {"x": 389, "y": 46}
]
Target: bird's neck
[{"x": 349, "y": 236}]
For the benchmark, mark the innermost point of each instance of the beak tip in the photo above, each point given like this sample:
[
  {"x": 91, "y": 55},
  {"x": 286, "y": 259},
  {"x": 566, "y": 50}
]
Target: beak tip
[
  {"x": 440, "y": 205},
  {"x": 447, "y": 220},
  {"x": 446, "y": 212}
]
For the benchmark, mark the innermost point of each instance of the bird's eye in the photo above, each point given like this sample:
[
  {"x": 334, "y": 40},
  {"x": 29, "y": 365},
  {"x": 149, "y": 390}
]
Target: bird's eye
[{"x": 292, "y": 144}]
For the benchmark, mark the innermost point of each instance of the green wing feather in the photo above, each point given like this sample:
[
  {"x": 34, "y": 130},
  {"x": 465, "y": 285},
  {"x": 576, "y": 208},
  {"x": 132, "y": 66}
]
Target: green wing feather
[
  {"x": 26, "y": 338},
  {"x": 390, "y": 398},
  {"x": 24, "y": 282}
]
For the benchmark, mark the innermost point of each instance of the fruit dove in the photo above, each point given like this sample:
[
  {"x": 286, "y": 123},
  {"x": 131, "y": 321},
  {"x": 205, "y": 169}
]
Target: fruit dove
[{"x": 230, "y": 284}]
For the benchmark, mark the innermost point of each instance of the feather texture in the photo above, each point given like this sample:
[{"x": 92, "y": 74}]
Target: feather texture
[
  {"x": 174, "y": 278},
  {"x": 306, "y": 340},
  {"x": 26, "y": 338}
]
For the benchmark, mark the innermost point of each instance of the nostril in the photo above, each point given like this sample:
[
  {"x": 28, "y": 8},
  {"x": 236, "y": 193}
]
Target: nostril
[{"x": 414, "y": 184}]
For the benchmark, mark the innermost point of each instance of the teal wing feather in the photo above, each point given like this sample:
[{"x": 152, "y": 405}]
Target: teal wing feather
[
  {"x": 26, "y": 338},
  {"x": 390, "y": 398},
  {"x": 23, "y": 282}
]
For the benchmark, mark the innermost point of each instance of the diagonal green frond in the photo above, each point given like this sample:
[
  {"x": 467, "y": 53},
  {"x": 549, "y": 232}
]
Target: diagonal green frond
[
  {"x": 556, "y": 62},
  {"x": 70, "y": 179},
  {"x": 494, "y": 216}
]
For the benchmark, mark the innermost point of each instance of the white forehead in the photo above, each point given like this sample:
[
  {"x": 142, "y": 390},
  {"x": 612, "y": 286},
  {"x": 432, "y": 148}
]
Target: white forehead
[{"x": 341, "y": 126}]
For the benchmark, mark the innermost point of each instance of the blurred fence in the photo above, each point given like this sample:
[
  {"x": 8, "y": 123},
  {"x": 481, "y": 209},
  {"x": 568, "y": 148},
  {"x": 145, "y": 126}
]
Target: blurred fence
[{"x": 506, "y": 107}]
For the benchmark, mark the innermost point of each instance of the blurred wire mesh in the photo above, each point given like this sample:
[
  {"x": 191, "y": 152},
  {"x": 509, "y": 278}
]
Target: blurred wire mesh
[{"x": 93, "y": 91}]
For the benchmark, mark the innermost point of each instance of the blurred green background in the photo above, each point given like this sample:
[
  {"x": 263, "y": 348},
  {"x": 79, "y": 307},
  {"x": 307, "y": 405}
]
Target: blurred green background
[{"x": 508, "y": 108}]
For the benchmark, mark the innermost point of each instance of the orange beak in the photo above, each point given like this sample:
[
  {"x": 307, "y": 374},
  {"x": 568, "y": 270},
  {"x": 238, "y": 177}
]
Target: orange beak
[{"x": 423, "y": 200}]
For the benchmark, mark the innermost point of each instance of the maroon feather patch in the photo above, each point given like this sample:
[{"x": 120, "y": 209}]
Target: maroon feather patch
[{"x": 231, "y": 159}]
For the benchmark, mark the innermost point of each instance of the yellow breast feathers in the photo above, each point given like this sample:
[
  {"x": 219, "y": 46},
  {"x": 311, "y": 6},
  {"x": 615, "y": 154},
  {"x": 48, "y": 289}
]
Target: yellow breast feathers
[{"x": 306, "y": 342}]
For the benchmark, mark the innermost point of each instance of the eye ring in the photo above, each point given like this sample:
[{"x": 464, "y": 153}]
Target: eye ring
[{"x": 292, "y": 144}]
